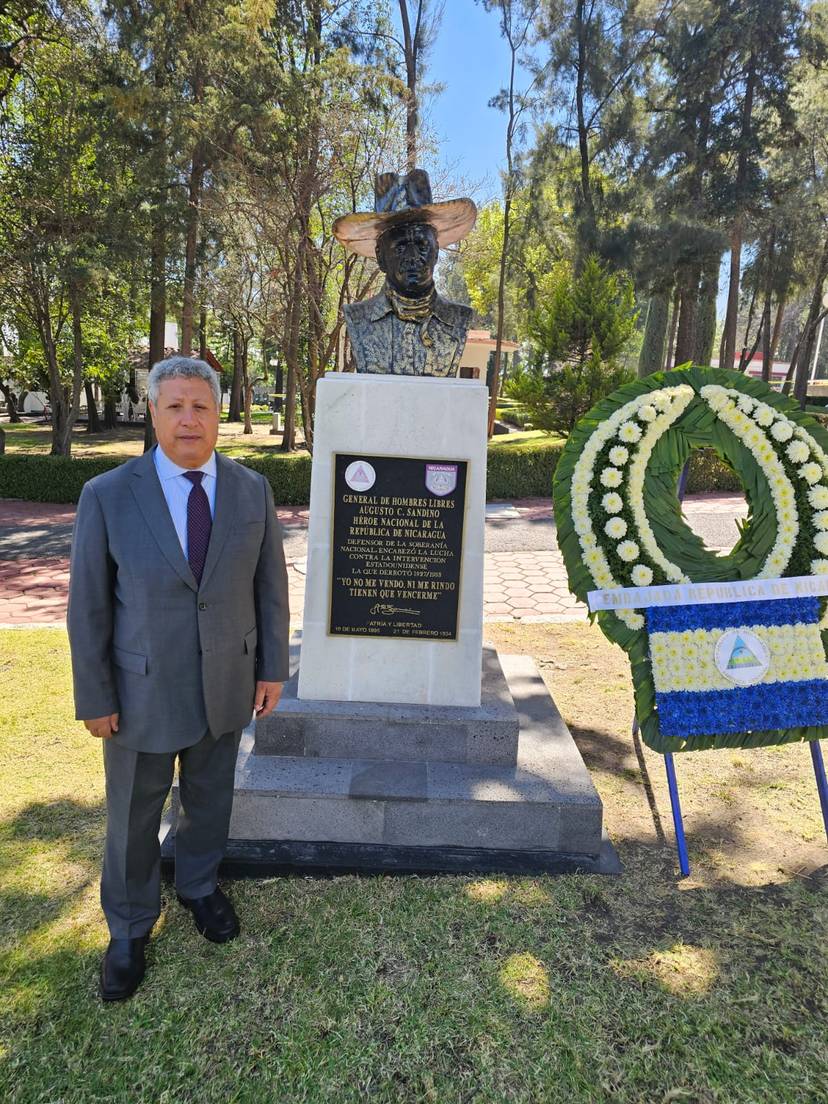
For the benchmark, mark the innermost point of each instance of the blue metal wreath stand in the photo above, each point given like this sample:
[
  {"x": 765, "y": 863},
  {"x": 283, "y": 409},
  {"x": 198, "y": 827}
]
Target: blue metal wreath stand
[{"x": 675, "y": 802}]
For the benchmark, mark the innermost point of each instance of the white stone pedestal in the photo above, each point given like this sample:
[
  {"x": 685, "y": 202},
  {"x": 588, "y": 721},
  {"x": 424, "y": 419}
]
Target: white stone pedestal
[{"x": 395, "y": 416}]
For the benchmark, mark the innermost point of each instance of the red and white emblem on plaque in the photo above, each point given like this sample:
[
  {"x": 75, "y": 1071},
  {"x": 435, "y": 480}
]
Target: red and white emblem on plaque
[
  {"x": 441, "y": 479},
  {"x": 360, "y": 475}
]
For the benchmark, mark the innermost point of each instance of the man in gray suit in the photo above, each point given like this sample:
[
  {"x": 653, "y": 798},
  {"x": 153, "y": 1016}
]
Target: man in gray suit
[{"x": 178, "y": 624}]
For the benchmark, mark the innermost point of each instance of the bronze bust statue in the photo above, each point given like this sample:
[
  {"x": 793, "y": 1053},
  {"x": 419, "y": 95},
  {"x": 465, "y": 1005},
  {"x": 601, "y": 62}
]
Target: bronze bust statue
[{"x": 407, "y": 329}]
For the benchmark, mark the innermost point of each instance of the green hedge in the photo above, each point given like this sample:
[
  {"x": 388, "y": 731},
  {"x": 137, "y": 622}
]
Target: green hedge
[
  {"x": 521, "y": 471},
  {"x": 514, "y": 471},
  {"x": 708, "y": 473},
  {"x": 58, "y": 479},
  {"x": 289, "y": 476},
  {"x": 48, "y": 478}
]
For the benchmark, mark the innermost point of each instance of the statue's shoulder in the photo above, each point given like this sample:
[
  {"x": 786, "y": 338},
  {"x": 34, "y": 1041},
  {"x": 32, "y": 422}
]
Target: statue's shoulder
[
  {"x": 453, "y": 314},
  {"x": 366, "y": 310}
]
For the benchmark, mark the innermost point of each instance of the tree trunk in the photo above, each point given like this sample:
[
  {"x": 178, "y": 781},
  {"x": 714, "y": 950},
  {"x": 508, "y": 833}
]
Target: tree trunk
[
  {"x": 190, "y": 252},
  {"x": 767, "y": 356},
  {"x": 686, "y": 332},
  {"x": 728, "y": 354},
  {"x": 110, "y": 413},
  {"x": 767, "y": 336},
  {"x": 248, "y": 387},
  {"x": 777, "y": 326},
  {"x": 501, "y": 302},
  {"x": 805, "y": 351},
  {"x": 737, "y": 230},
  {"x": 588, "y": 224},
  {"x": 234, "y": 410},
  {"x": 651, "y": 357},
  {"x": 746, "y": 357},
  {"x": 158, "y": 303},
  {"x": 202, "y": 333},
  {"x": 93, "y": 422},
  {"x": 294, "y": 320},
  {"x": 706, "y": 316},
  {"x": 411, "y": 48},
  {"x": 11, "y": 402},
  {"x": 66, "y": 402},
  {"x": 668, "y": 359}
]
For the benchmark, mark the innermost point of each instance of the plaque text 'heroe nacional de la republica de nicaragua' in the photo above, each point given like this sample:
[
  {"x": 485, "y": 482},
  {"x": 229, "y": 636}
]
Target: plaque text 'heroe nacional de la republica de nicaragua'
[{"x": 397, "y": 546}]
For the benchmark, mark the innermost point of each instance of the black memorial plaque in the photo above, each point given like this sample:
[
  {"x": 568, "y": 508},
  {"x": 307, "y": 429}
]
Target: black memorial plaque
[{"x": 397, "y": 545}]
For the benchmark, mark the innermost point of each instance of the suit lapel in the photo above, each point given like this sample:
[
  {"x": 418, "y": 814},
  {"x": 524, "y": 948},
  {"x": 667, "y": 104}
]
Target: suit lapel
[
  {"x": 225, "y": 514},
  {"x": 146, "y": 487}
]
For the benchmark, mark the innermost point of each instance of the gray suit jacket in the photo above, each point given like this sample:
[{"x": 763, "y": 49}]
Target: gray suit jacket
[{"x": 175, "y": 659}]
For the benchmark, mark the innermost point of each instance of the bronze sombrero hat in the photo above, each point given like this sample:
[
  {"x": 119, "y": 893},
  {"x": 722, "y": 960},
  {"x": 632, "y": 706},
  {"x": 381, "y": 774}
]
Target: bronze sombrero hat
[{"x": 399, "y": 199}]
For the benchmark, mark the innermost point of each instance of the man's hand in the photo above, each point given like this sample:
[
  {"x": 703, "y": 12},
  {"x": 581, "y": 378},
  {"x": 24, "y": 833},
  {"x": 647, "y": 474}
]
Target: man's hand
[
  {"x": 267, "y": 698},
  {"x": 103, "y": 727}
]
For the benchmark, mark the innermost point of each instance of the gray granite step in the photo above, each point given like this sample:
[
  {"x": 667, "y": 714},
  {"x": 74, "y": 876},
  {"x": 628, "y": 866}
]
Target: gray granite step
[
  {"x": 372, "y": 730},
  {"x": 544, "y": 805}
]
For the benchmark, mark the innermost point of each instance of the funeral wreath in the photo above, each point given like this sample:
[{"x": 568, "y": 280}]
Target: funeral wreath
[{"x": 620, "y": 524}]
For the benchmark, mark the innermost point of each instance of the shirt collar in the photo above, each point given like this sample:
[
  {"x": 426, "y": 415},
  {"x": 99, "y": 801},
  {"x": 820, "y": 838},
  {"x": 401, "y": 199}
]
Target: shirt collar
[
  {"x": 168, "y": 470},
  {"x": 379, "y": 307}
]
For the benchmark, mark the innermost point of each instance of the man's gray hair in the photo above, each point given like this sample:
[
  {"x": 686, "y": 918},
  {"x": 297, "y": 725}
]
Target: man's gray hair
[{"x": 177, "y": 367}]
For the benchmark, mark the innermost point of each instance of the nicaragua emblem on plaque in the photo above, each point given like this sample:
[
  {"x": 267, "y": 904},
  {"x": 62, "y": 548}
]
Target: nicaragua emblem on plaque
[
  {"x": 360, "y": 475},
  {"x": 441, "y": 479}
]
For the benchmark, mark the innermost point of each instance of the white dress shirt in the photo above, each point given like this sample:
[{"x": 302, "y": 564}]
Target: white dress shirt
[{"x": 177, "y": 489}]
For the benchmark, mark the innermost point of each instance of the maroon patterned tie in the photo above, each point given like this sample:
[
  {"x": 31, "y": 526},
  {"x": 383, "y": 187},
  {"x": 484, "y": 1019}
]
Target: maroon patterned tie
[{"x": 199, "y": 524}]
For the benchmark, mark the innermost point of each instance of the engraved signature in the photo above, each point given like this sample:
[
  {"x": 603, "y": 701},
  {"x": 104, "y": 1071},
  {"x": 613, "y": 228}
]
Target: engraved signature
[{"x": 386, "y": 610}]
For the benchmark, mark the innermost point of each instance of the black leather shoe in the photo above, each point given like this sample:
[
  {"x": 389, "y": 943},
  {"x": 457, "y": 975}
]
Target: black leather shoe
[
  {"x": 214, "y": 916},
  {"x": 122, "y": 968}
]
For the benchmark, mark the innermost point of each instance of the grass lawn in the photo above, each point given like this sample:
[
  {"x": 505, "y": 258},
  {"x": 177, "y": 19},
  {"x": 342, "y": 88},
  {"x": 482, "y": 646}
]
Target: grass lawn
[
  {"x": 444, "y": 989},
  {"x": 522, "y": 436},
  {"x": 124, "y": 442},
  {"x": 128, "y": 441}
]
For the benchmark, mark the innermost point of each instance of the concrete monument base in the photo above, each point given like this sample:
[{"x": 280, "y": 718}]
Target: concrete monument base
[{"x": 300, "y": 805}]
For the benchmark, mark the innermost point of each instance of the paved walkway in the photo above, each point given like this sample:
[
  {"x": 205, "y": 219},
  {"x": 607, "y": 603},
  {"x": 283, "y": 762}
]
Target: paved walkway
[{"x": 524, "y": 576}]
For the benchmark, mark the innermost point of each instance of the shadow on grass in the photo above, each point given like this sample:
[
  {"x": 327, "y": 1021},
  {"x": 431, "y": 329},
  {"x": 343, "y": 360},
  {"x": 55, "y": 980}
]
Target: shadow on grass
[
  {"x": 622, "y": 988},
  {"x": 38, "y": 848}
]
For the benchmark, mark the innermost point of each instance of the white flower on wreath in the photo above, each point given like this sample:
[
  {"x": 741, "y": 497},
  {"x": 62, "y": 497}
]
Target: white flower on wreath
[
  {"x": 660, "y": 399},
  {"x": 797, "y": 452},
  {"x": 648, "y": 413},
  {"x": 745, "y": 403},
  {"x": 781, "y": 488},
  {"x": 611, "y": 477},
  {"x": 811, "y": 473},
  {"x": 818, "y": 497},
  {"x": 821, "y": 543},
  {"x": 819, "y": 567},
  {"x": 630, "y": 433},
  {"x": 613, "y": 503},
  {"x": 682, "y": 396},
  {"x": 674, "y": 401},
  {"x": 642, "y": 575},
  {"x": 717, "y": 399},
  {"x": 628, "y": 551},
  {"x": 618, "y": 455},
  {"x": 782, "y": 431},
  {"x": 616, "y": 528},
  {"x": 820, "y": 519}
]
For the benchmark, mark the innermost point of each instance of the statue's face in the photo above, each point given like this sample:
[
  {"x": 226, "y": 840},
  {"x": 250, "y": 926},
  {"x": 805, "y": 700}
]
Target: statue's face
[{"x": 407, "y": 255}]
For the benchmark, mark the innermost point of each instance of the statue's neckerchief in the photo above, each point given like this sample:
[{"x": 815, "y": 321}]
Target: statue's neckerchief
[{"x": 413, "y": 310}]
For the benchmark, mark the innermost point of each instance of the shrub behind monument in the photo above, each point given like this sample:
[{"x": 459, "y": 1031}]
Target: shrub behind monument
[{"x": 514, "y": 471}]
